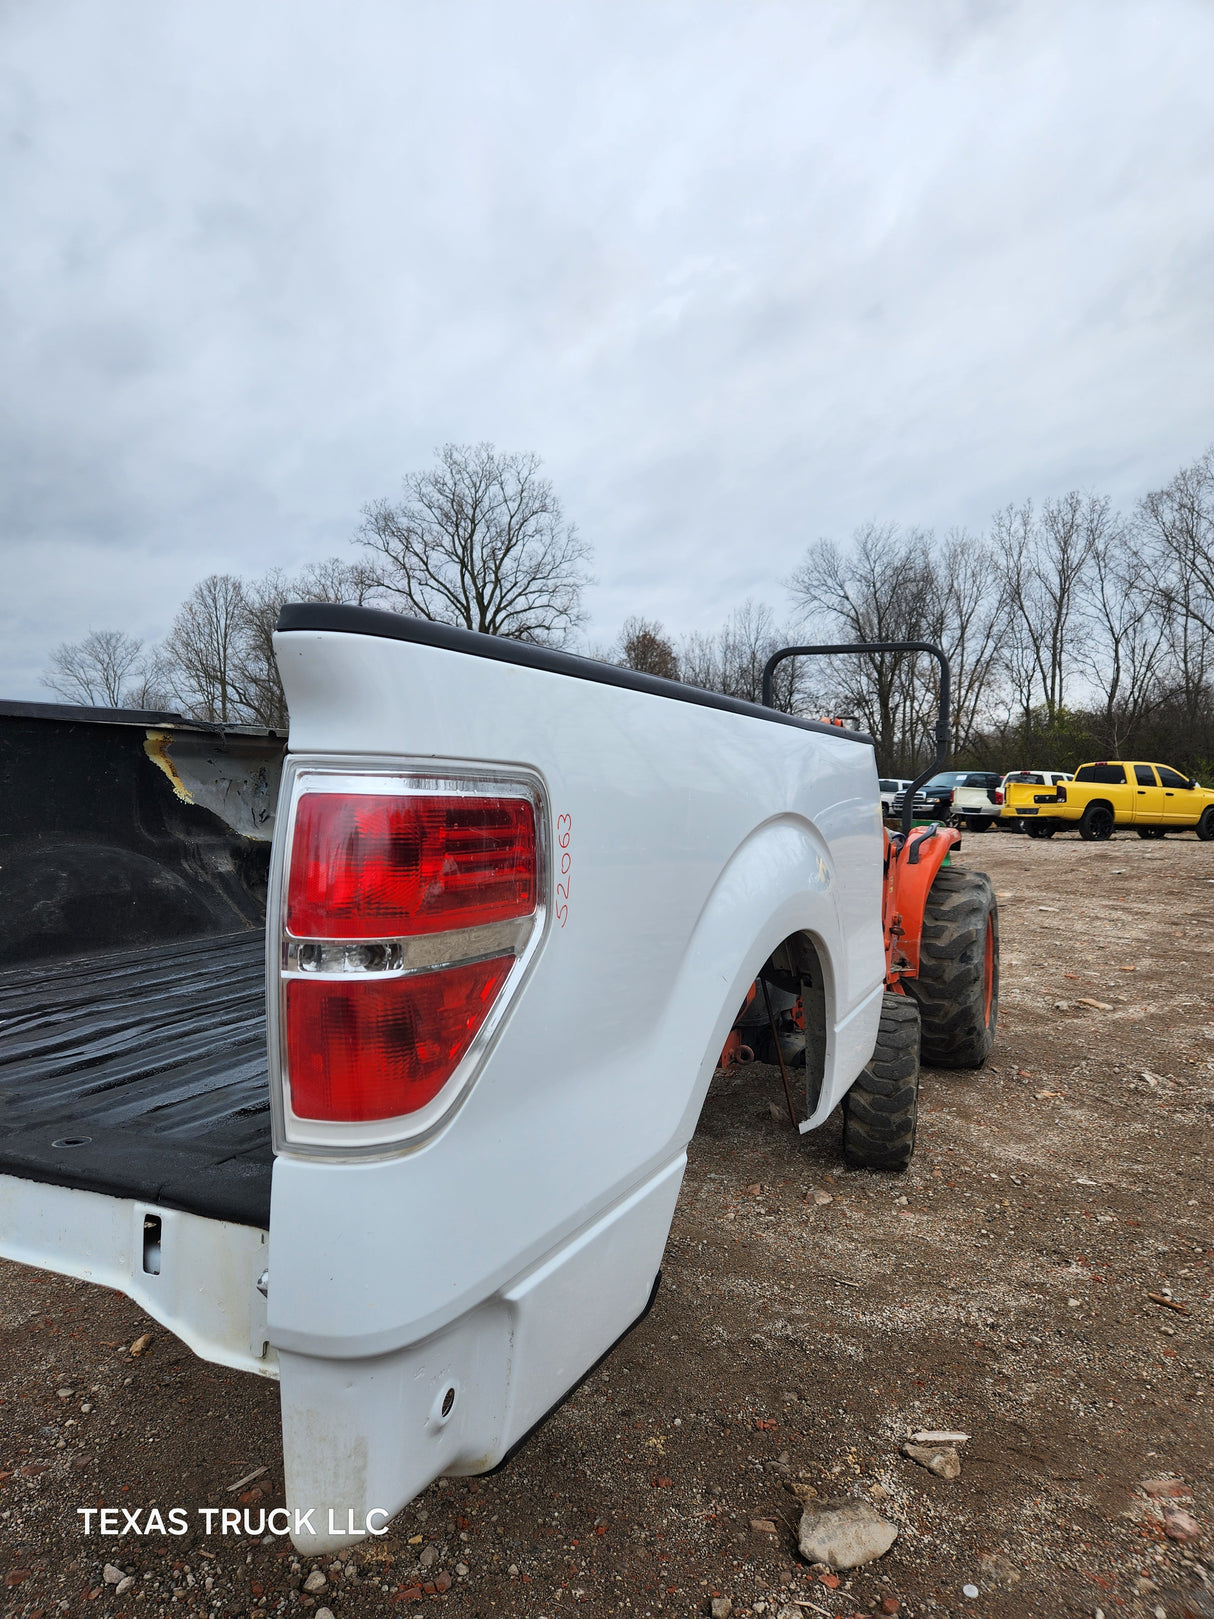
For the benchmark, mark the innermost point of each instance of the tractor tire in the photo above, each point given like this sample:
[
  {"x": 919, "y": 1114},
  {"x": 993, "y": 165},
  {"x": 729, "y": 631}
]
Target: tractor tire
[
  {"x": 1097, "y": 823},
  {"x": 881, "y": 1109},
  {"x": 958, "y": 984},
  {"x": 1040, "y": 829},
  {"x": 1151, "y": 832},
  {"x": 1205, "y": 827}
]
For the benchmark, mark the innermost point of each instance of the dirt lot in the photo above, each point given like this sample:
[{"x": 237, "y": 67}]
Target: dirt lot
[{"x": 1003, "y": 1287}]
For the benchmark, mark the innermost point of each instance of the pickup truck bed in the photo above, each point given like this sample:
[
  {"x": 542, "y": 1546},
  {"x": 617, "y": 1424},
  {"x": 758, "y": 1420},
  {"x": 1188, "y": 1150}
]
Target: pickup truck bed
[
  {"x": 153, "y": 1061},
  {"x": 565, "y": 879}
]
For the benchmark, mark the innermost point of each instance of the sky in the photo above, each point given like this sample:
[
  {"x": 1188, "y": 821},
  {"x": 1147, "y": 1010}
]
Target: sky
[{"x": 743, "y": 274}]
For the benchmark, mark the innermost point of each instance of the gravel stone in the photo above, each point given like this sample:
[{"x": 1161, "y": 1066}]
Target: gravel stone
[{"x": 844, "y": 1532}]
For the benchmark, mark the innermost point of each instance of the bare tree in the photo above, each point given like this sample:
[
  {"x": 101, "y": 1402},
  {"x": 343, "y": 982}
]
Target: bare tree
[
  {"x": 254, "y": 680},
  {"x": 202, "y": 652},
  {"x": 1126, "y": 649},
  {"x": 732, "y": 660},
  {"x": 969, "y": 621},
  {"x": 700, "y": 661},
  {"x": 1179, "y": 520},
  {"x": 1045, "y": 558},
  {"x": 481, "y": 540},
  {"x": 1175, "y": 526},
  {"x": 645, "y": 647},
  {"x": 336, "y": 580},
  {"x": 102, "y": 669},
  {"x": 218, "y": 664},
  {"x": 880, "y": 589}
]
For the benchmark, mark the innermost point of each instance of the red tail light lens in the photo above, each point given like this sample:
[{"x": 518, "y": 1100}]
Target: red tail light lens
[
  {"x": 383, "y": 1047},
  {"x": 368, "y": 866},
  {"x": 997, "y": 795}
]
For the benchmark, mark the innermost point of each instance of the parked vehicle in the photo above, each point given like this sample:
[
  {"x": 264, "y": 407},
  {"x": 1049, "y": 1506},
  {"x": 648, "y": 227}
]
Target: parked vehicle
[
  {"x": 1029, "y": 778},
  {"x": 1154, "y": 799},
  {"x": 380, "y": 1081},
  {"x": 890, "y": 787},
  {"x": 965, "y": 798}
]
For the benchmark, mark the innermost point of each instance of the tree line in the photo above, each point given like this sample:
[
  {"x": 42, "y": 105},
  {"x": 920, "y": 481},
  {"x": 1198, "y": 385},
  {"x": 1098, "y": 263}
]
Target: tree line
[
  {"x": 480, "y": 539},
  {"x": 1073, "y": 629}
]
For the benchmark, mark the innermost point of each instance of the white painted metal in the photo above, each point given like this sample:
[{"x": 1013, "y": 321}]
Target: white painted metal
[
  {"x": 368, "y": 1435},
  {"x": 205, "y": 1290},
  {"x": 698, "y": 840}
]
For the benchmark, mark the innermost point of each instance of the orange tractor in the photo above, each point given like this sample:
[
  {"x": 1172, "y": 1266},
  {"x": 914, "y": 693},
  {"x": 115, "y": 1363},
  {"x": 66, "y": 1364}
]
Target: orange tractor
[{"x": 941, "y": 928}]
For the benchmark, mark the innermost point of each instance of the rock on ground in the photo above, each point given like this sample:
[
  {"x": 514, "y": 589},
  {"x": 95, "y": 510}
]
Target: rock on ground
[
  {"x": 942, "y": 1460},
  {"x": 1180, "y": 1525},
  {"x": 844, "y": 1532}
]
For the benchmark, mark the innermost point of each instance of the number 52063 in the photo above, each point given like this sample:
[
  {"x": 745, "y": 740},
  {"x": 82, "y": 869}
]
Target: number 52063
[{"x": 564, "y": 835}]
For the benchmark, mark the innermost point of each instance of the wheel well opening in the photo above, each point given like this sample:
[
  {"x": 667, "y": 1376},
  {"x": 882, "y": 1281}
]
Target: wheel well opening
[{"x": 791, "y": 994}]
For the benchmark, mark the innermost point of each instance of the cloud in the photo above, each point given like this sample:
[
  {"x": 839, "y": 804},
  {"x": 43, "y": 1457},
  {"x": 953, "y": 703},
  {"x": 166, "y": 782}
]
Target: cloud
[{"x": 742, "y": 274}]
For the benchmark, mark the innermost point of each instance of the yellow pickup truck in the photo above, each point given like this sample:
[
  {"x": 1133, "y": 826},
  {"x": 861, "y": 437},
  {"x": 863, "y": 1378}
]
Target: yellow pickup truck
[{"x": 1153, "y": 799}]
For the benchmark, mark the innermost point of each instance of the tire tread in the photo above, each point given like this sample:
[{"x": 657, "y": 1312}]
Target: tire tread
[
  {"x": 880, "y": 1112},
  {"x": 949, "y": 989}
]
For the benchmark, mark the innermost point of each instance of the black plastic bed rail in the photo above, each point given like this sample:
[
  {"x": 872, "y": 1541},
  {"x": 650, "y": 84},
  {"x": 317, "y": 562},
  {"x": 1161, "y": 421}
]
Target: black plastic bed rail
[{"x": 449, "y": 637}]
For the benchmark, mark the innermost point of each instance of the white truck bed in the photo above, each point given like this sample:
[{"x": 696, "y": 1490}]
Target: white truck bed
[{"x": 430, "y": 1299}]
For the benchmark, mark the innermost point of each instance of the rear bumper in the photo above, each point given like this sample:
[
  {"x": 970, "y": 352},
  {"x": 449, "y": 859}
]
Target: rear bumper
[
  {"x": 196, "y": 1276},
  {"x": 1047, "y": 812}
]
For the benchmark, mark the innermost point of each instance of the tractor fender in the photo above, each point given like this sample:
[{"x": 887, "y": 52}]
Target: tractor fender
[{"x": 911, "y": 873}]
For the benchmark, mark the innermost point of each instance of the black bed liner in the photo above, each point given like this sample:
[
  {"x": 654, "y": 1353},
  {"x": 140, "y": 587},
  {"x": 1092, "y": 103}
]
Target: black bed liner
[{"x": 158, "y": 1056}]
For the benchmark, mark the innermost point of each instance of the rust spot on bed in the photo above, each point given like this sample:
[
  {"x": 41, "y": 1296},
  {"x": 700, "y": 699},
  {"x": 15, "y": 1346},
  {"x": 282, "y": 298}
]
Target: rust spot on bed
[{"x": 157, "y": 749}]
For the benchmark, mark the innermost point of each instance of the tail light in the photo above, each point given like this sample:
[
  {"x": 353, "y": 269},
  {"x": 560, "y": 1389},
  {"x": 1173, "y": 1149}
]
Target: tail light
[
  {"x": 997, "y": 796},
  {"x": 409, "y": 908},
  {"x": 952, "y": 795}
]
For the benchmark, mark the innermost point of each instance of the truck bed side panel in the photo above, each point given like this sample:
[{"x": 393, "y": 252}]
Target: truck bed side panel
[{"x": 701, "y": 838}]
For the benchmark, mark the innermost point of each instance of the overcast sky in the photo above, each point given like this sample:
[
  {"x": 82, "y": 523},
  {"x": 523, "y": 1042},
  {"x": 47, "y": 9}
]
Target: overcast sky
[{"x": 743, "y": 274}]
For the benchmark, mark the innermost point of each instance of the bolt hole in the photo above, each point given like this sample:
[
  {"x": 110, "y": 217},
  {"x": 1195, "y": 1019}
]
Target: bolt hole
[
  {"x": 72, "y": 1141},
  {"x": 448, "y": 1402}
]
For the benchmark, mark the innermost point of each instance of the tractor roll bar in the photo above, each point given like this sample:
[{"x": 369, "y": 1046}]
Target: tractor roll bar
[{"x": 943, "y": 721}]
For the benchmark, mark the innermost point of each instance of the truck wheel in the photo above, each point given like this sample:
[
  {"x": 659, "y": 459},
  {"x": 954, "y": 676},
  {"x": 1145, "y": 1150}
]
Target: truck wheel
[
  {"x": 880, "y": 1110},
  {"x": 980, "y": 823},
  {"x": 1151, "y": 831},
  {"x": 1097, "y": 824},
  {"x": 958, "y": 984},
  {"x": 1205, "y": 827},
  {"x": 1040, "y": 829}
]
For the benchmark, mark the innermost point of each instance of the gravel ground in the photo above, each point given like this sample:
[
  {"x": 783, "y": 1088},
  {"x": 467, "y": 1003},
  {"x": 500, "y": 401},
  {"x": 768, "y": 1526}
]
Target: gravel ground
[{"x": 1014, "y": 1285}]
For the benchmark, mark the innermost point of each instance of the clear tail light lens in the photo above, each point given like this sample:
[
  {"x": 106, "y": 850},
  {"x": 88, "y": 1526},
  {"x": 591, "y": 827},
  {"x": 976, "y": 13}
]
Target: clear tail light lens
[{"x": 409, "y": 908}]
